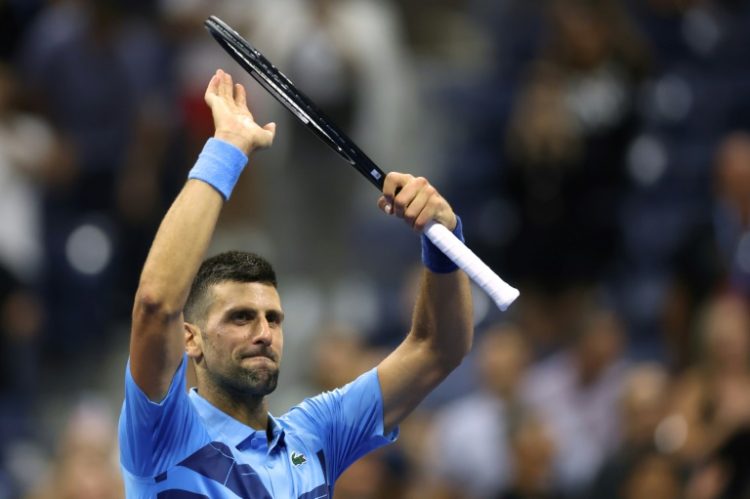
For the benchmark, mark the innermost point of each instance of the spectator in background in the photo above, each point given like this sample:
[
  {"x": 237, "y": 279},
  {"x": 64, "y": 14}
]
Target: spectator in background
[
  {"x": 14, "y": 18},
  {"x": 643, "y": 406},
  {"x": 339, "y": 356},
  {"x": 712, "y": 398},
  {"x": 72, "y": 61},
  {"x": 653, "y": 475},
  {"x": 533, "y": 452},
  {"x": 566, "y": 143},
  {"x": 724, "y": 474},
  {"x": 469, "y": 452},
  {"x": 32, "y": 159},
  {"x": 732, "y": 210},
  {"x": 715, "y": 255},
  {"x": 96, "y": 72},
  {"x": 576, "y": 392},
  {"x": 20, "y": 324},
  {"x": 413, "y": 466},
  {"x": 374, "y": 476},
  {"x": 86, "y": 464}
]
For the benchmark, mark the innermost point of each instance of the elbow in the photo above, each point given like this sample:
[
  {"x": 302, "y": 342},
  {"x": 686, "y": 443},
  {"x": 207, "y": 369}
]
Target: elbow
[
  {"x": 463, "y": 342},
  {"x": 447, "y": 364},
  {"x": 458, "y": 357},
  {"x": 467, "y": 349},
  {"x": 152, "y": 306},
  {"x": 447, "y": 344},
  {"x": 451, "y": 358}
]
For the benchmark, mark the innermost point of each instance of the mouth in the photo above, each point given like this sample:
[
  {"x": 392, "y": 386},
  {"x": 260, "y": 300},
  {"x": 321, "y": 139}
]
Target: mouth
[{"x": 257, "y": 359}]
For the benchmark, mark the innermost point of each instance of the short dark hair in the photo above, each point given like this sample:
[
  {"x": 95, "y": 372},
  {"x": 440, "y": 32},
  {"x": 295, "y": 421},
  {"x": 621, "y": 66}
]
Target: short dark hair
[{"x": 238, "y": 266}]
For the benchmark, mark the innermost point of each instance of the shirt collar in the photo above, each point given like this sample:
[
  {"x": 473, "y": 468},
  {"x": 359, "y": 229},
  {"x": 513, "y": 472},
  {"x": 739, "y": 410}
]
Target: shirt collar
[{"x": 225, "y": 428}]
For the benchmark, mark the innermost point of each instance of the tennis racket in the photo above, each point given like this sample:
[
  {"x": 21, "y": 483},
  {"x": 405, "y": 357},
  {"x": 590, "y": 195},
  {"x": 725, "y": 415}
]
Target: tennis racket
[{"x": 284, "y": 91}]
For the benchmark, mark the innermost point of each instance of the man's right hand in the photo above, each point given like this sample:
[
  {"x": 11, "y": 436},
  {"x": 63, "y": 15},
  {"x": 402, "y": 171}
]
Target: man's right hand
[{"x": 232, "y": 120}]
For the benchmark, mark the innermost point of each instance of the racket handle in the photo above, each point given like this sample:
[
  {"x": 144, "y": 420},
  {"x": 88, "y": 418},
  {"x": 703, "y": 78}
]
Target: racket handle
[{"x": 502, "y": 293}]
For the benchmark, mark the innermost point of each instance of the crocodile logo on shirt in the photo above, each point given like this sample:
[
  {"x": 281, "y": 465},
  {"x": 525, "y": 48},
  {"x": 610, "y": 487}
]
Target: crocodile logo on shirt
[{"x": 298, "y": 459}]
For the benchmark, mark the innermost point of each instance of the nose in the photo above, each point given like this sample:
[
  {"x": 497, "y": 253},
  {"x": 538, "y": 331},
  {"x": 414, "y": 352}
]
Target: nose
[{"x": 262, "y": 332}]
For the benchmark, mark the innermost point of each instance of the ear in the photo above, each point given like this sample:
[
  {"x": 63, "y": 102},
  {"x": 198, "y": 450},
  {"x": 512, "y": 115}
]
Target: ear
[{"x": 193, "y": 341}]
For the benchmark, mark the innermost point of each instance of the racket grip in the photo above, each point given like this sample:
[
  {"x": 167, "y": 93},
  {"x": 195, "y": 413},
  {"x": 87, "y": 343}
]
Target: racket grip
[{"x": 502, "y": 293}]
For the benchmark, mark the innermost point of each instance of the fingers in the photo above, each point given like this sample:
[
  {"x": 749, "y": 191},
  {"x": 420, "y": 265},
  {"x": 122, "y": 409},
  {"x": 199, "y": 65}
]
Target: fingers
[
  {"x": 213, "y": 88},
  {"x": 384, "y": 205},
  {"x": 407, "y": 194},
  {"x": 270, "y": 127},
  {"x": 225, "y": 86},
  {"x": 233, "y": 122},
  {"x": 415, "y": 200},
  {"x": 434, "y": 209},
  {"x": 416, "y": 209},
  {"x": 221, "y": 85},
  {"x": 265, "y": 137},
  {"x": 394, "y": 181},
  {"x": 240, "y": 96}
]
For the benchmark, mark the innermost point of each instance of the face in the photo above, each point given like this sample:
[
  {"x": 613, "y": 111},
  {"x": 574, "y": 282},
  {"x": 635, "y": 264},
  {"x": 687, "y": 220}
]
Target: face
[
  {"x": 239, "y": 347},
  {"x": 733, "y": 174},
  {"x": 727, "y": 340},
  {"x": 600, "y": 345},
  {"x": 503, "y": 358},
  {"x": 643, "y": 402},
  {"x": 653, "y": 476}
]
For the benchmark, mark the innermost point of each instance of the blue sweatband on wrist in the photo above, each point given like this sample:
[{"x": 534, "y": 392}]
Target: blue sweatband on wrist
[
  {"x": 219, "y": 165},
  {"x": 434, "y": 259}
]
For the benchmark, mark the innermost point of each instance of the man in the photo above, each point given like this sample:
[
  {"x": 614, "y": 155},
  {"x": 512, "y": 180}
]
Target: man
[
  {"x": 474, "y": 459},
  {"x": 219, "y": 441}
]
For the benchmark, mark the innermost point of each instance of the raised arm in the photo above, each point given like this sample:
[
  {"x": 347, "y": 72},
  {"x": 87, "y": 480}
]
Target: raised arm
[
  {"x": 441, "y": 331},
  {"x": 157, "y": 338}
]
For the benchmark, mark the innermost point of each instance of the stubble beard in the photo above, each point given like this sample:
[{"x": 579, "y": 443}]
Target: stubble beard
[
  {"x": 245, "y": 382},
  {"x": 258, "y": 382}
]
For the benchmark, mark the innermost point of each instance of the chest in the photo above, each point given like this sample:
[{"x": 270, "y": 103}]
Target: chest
[{"x": 289, "y": 469}]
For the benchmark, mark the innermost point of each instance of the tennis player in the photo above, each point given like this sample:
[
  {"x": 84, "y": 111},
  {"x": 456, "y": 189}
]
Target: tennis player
[{"x": 225, "y": 316}]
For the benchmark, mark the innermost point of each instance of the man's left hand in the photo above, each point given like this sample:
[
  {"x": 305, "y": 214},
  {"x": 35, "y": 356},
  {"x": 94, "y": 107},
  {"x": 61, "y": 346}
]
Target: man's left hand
[{"x": 415, "y": 200}]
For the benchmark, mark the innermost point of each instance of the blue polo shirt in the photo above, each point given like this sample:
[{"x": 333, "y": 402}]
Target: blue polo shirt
[{"x": 185, "y": 448}]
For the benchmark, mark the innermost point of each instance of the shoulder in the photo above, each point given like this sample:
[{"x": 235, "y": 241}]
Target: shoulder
[{"x": 155, "y": 435}]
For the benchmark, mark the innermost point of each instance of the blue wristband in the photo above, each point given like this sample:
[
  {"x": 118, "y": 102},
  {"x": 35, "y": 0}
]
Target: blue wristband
[
  {"x": 219, "y": 165},
  {"x": 434, "y": 259}
]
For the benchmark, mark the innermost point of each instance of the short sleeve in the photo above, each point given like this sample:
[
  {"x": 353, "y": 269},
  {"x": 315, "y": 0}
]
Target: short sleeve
[
  {"x": 348, "y": 421},
  {"x": 154, "y": 436}
]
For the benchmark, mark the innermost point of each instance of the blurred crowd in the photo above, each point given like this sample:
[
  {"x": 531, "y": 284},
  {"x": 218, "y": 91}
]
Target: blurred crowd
[{"x": 598, "y": 152}]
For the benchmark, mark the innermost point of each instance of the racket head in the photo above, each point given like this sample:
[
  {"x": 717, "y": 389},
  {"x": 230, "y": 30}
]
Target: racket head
[{"x": 284, "y": 91}]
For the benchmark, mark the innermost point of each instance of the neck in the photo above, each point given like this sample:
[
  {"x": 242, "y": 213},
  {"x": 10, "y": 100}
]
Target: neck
[{"x": 247, "y": 409}]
